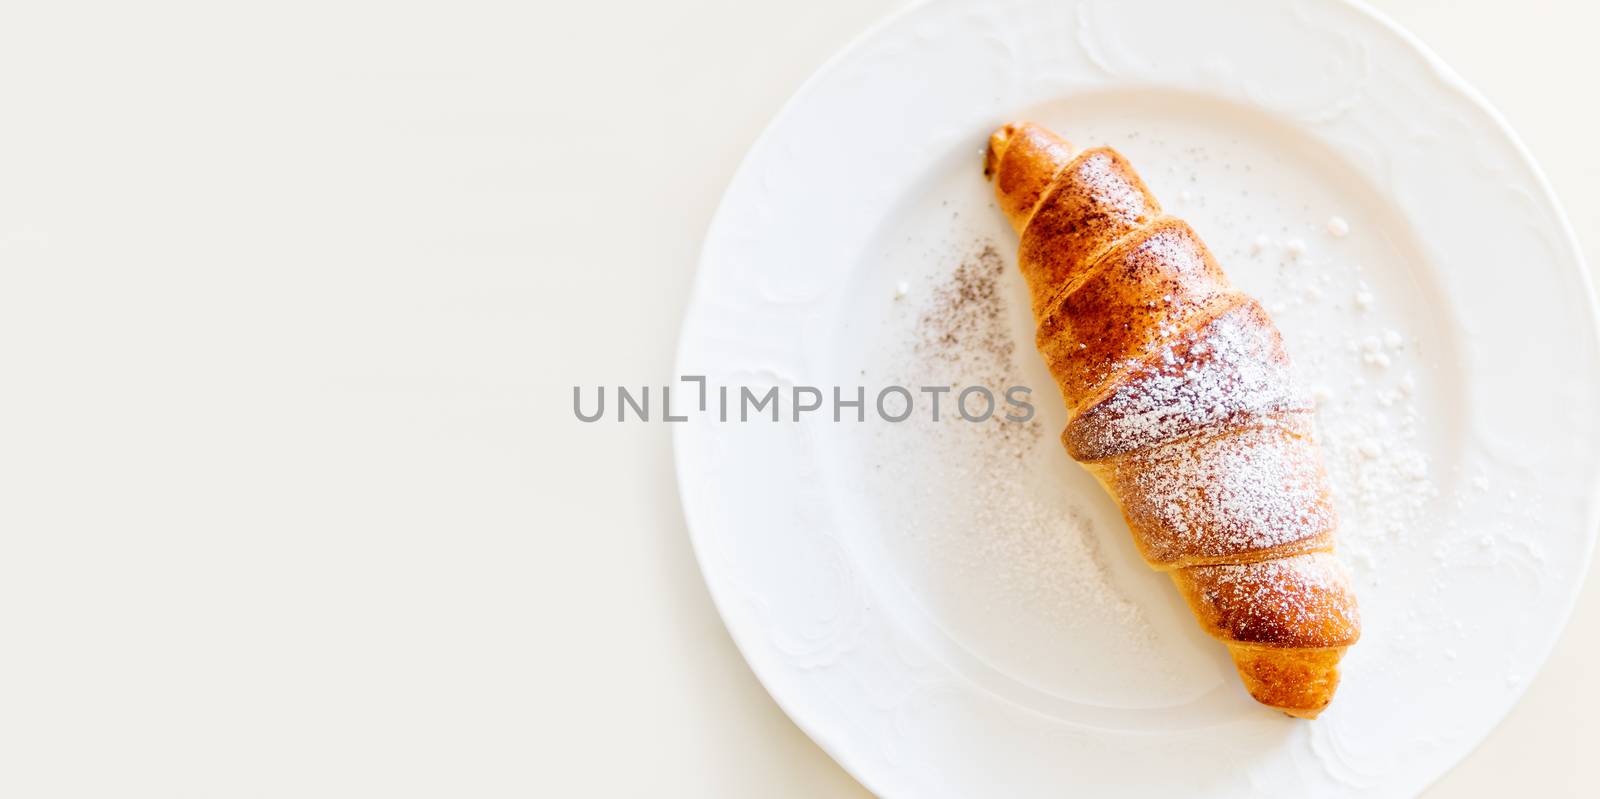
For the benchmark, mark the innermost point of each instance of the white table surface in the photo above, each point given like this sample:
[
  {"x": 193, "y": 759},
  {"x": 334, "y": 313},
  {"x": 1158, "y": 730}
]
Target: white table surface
[{"x": 292, "y": 301}]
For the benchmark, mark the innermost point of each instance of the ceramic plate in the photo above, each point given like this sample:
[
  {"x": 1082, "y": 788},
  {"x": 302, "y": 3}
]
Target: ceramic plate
[{"x": 954, "y": 608}]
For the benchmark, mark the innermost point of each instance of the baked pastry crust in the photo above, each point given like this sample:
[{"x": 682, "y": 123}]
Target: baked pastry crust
[{"x": 1183, "y": 407}]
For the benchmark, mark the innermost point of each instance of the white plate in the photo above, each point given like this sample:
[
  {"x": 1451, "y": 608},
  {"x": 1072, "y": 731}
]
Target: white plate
[{"x": 957, "y": 610}]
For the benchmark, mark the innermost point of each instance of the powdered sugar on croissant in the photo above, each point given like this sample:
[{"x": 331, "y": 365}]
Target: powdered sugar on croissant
[{"x": 1183, "y": 406}]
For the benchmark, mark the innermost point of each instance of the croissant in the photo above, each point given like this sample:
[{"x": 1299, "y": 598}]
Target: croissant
[{"x": 1182, "y": 406}]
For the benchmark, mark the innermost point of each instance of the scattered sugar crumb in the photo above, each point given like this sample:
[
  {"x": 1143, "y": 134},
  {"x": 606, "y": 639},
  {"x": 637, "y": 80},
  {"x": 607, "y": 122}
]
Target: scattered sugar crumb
[
  {"x": 1296, "y": 247},
  {"x": 1338, "y": 227}
]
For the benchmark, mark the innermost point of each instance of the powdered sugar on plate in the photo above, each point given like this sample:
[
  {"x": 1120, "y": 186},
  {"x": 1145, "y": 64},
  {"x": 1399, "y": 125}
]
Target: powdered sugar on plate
[
  {"x": 1040, "y": 545},
  {"x": 1003, "y": 550},
  {"x": 1363, "y": 377}
]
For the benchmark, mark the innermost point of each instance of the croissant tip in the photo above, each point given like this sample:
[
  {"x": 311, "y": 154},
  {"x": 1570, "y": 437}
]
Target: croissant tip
[
  {"x": 997, "y": 143},
  {"x": 1299, "y": 682}
]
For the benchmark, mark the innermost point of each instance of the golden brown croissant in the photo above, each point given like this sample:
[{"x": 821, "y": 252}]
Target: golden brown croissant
[{"x": 1182, "y": 406}]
